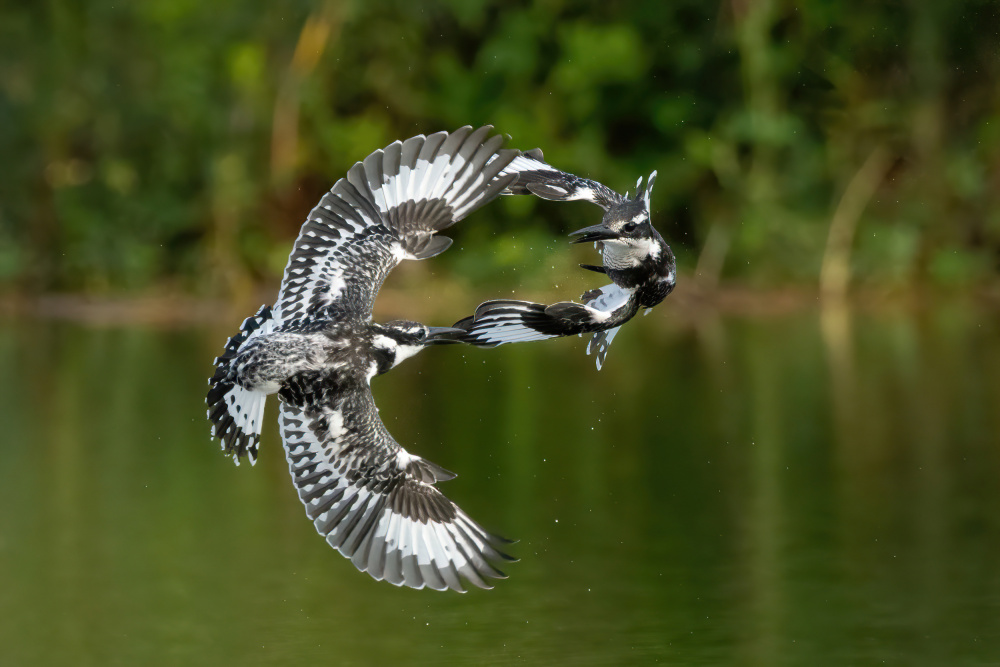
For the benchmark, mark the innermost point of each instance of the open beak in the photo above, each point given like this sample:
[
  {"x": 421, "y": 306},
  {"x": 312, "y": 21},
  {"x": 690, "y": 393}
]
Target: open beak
[
  {"x": 594, "y": 233},
  {"x": 441, "y": 335}
]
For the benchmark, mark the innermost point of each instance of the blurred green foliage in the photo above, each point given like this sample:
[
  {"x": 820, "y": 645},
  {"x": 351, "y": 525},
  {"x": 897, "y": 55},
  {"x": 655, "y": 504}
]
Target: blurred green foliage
[{"x": 180, "y": 143}]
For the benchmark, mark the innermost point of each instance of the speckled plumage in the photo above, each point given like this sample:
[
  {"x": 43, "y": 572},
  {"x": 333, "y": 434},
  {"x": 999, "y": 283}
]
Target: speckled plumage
[
  {"x": 634, "y": 256},
  {"x": 318, "y": 349}
]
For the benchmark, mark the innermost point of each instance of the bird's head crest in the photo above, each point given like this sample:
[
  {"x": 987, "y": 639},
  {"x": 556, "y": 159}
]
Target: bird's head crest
[{"x": 644, "y": 193}]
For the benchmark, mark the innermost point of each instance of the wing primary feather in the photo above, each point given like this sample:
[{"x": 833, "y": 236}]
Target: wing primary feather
[
  {"x": 333, "y": 520},
  {"x": 411, "y": 573},
  {"x": 432, "y": 577},
  {"x": 492, "y": 190},
  {"x": 361, "y": 538},
  {"x": 489, "y": 544},
  {"x": 408, "y": 159},
  {"x": 393, "y": 558},
  {"x": 362, "y": 207},
  {"x": 475, "y": 555},
  {"x": 453, "y": 161},
  {"x": 361, "y": 521},
  {"x": 343, "y": 529},
  {"x": 357, "y": 176},
  {"x": 477, "y": 177},
  {"x": 376, "y": 556},
  {"x": 391, "y": 174},
  {"x": 485, "y": 165},
  {"x": 340, "y": 204},
  {"x": 373, "y": 174},
  {"x": 465, "y": 172},
  {"x": 327, "y": 502},
  {"x": 430, "y": 571},
  {"x": 428, "y": 153}
]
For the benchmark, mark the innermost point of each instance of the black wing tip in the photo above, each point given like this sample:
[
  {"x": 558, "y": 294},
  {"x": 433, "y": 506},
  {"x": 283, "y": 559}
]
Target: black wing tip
[{"x": 500, "y": 539}]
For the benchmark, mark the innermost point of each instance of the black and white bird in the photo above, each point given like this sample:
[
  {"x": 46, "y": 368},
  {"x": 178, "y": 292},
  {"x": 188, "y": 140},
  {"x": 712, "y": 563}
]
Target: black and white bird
[
  {"x": 635, "y": 257},
  {"x": 318, "y": 349}
]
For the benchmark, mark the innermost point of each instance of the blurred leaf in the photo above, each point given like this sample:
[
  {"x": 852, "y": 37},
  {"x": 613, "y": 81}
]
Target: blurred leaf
[{"x": 138, "y": 140}]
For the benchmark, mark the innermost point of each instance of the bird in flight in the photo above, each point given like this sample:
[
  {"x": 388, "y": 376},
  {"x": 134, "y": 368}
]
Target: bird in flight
[
  {"x": 635, "y": 257},
  {"x": 317, "y": 348}
]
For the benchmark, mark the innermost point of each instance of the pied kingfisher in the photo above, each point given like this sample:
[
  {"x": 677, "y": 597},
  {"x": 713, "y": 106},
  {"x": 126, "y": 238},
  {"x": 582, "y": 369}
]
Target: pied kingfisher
[
  {"x": 318, "y": 349},
  {"x": 635, "y": 257}
]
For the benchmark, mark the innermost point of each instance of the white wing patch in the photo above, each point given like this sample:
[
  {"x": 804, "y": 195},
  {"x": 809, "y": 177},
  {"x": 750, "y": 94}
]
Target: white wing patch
[
  {"x": 611, "y": 298},
  {"x": 336, "y": 428}
]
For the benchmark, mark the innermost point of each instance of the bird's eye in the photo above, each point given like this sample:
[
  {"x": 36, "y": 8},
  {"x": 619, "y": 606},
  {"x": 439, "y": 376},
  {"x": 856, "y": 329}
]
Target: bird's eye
[{"x": 629, "y": 228}]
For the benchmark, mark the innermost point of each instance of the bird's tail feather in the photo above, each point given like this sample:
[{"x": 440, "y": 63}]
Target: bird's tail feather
[
  {"x": 508, "y": 321},
  {"x": 237, "y": 413}
]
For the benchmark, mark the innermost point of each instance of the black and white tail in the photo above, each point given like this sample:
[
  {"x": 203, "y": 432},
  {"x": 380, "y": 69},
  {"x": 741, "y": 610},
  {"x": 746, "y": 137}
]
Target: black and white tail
[
  {"x": 237, "y": 413},
  {"x": 508, "y": 321}
]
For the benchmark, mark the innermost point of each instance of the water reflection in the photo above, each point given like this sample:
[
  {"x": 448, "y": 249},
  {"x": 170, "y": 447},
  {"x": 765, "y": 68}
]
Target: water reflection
[{"x": 793, "y": 490}]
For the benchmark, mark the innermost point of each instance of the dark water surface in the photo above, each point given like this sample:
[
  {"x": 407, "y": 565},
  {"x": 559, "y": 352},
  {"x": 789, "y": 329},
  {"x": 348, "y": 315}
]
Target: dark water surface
[{"x": 796, "y": 490}]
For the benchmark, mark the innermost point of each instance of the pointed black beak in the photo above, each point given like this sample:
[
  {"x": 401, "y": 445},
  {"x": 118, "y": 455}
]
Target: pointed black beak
[
  {"x": 594, "y": 233},
  {"x": 441, "y": 335}
]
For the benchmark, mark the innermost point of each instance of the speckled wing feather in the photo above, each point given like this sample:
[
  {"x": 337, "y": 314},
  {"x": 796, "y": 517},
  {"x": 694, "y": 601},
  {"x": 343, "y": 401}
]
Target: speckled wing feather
[
  {"x": 371, "y": 500},
  {"x": 388, "y": 208},
  {"x": 537, "y": 177},
  {"x": 509, "y": 321}
]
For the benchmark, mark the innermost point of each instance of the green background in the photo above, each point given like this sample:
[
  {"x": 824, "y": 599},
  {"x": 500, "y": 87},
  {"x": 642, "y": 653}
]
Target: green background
[{"x": 177, "y": 145}]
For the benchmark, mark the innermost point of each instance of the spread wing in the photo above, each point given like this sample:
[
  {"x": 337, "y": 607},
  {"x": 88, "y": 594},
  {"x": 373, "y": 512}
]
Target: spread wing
[
  {"x": 537, "y": 177},
  {"x": 509, "y": 321},
  {"x": 388, "y": 208},
  {"x": 372, "y": 501}
]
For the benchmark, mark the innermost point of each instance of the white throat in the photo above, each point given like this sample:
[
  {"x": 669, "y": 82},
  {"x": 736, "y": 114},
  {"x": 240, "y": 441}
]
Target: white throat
[{"x": 404, "y": 352}]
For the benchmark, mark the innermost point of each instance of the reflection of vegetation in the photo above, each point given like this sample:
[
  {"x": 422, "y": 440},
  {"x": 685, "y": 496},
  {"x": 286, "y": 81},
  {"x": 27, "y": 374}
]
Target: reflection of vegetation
[
  {"x": 165, "y": 141},
  {"x": 716, "y": 495}
]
